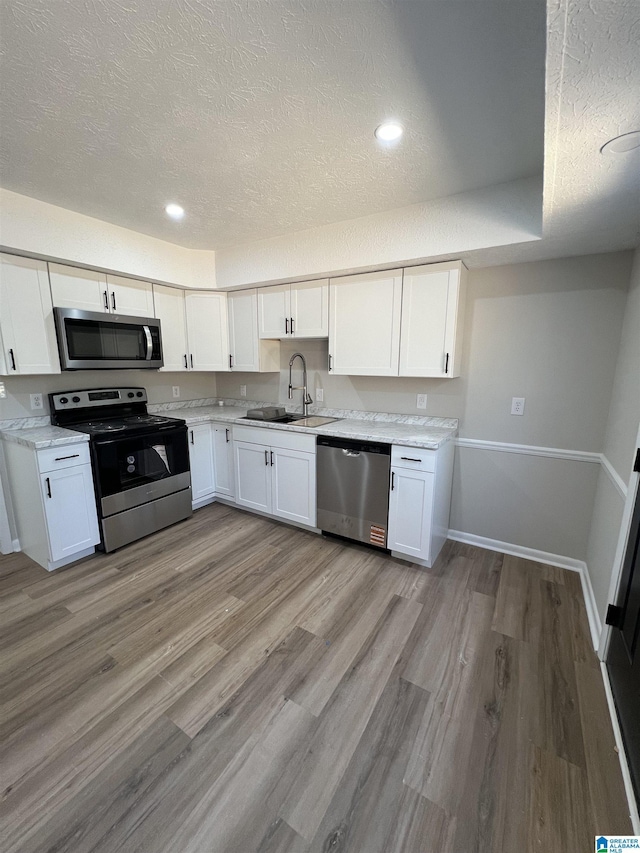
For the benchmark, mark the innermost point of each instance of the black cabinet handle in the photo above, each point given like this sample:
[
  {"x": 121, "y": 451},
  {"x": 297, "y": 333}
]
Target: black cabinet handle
[
  {"x": 230, "y": 361},
  {"x": 191, "y": 357},
  {"x": 186, "y": 363},
  {"x": 446, "y": 364},
  {"x": 286, "y": 325},
  {"x": 48, "y": 482},
  {"x": 410, "y": 459},
  {"x": 329, "y": 361},
  {"x": 106, "y": 300},
  {"x": 227, "y": 432},
  {"x": 393, "y": 478},
  {"x": 192, "y": 440},
  {"x": 13, "y": 360},
  {"x": 60, "y": 458},
  {"x": 271, "y": 457},
  {"x": 113, "y": 300},
  {"x": 266, "y": 457},
  {"x": 292, "y": 330}
]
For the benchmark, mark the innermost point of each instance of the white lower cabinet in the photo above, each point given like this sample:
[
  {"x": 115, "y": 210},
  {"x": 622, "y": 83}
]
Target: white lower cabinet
[
  {"x": 54, "y": 502},
  {"x": 276, "y": 473},
  {"x": 419, "y": 501},
  {"x": 223, "y": 461},
  {"x": 201, "y": 464}
]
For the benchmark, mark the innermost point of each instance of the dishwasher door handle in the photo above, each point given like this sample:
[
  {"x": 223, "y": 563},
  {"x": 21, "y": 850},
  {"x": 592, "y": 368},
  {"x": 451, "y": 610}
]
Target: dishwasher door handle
[{"x": 346, "y": 452}]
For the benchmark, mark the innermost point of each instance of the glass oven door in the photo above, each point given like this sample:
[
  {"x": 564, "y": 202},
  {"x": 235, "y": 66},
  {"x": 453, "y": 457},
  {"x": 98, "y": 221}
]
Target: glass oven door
[{"x": 133, "y": 470}]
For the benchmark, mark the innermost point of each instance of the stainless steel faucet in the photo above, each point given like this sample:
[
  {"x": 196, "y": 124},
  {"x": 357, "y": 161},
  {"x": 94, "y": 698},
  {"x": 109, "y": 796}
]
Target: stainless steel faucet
[{"x": 306, "y": 399}]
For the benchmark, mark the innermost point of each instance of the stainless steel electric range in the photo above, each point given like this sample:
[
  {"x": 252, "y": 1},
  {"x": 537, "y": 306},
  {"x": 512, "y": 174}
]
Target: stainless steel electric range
[{"x": 140, "y": 461}]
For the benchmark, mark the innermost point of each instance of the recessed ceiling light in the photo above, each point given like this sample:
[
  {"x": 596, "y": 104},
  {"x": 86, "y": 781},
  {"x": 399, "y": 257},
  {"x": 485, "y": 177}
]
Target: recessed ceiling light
[
  {"x": 390, "y": 131},
  {"x": 174, "y": 211},
  {"x": 622, "y": 144}
]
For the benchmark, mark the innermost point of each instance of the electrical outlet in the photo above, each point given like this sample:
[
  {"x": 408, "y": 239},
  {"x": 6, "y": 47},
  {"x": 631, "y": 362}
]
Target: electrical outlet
[
  {"x": 243, "y": 390},
  {"x": 3, "y": 393},
  {"x": 319, "y": 395},
  {"x": 517, "y": 405},
  {"x": 421, "y": 401},
  {"x": 36, "y": 401},
  {"x": 176, "y": 390}
]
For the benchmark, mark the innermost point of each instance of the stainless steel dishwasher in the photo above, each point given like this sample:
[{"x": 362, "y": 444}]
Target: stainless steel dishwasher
[{"x": 353, "y": 489}]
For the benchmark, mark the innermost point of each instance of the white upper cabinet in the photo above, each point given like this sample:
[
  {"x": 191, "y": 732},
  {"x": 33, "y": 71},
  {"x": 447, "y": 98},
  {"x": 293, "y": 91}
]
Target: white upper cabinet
[
  {"x": 130, "y": 296},
  {"x": 248, "y": 353},
  {"x": 207, "y": 330},
  {"x": 72, "y": 287},
  {"x": 310, "y": 309},
  {"x": 170, "y": 310},
  {"x": 364, "y": 326},
  {"x": 294, "y": 310},
  {"x": 432, "y": 319},
  {"x": 27, "y": 328}
]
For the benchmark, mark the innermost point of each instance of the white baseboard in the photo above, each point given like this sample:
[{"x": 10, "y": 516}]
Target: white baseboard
[
  {"x": 595, "y": 625},
  {"x": 624, "y": 766}
]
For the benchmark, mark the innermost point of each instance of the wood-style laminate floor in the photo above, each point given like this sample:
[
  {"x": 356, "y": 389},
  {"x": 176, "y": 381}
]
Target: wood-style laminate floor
[{"x": 233, "y": 685}]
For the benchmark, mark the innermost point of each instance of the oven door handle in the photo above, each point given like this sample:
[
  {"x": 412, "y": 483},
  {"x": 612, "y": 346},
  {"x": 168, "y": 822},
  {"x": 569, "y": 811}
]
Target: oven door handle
[{"x": 149, "y": 350}]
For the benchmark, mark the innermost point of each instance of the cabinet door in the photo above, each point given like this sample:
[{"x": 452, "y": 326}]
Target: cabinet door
[
  {"x": 243, "y": 330},
  {"x": 169, "y": 305},
  {"x": 72, "y": 287},
  {"x": 310, "y": 309},
  {"x": 253, "y": 475},
  {"x": 364, "y": 328},
  {"x": 70, "y": 510},
  {"x": 207, "y": 330},
  {"x": 429, "y": 320},
  {"x": 294, "y": 485},
  {"x": 201, "y": 462},
  {"x": 27, "y": 328},
  {"x": 129, "y": 296},
  {"x": 274, "y": 311},
  {"x": 410, "y": 512},
  {"x": 223, "y": 461}
]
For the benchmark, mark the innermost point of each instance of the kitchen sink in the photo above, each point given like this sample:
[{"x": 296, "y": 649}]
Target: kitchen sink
[{"x": 296, "y": 419}]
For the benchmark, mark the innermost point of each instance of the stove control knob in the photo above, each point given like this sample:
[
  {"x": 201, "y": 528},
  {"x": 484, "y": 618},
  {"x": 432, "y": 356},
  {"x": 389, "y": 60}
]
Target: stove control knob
[
  {"x": 139, "y": 394},
  {"x": 130, "y": 394},
  {"x": 75, "y": 399},
  {"x": 64, "y": 400}
]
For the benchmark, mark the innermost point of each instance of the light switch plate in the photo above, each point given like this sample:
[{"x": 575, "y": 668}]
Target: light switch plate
[
  {"x": 319, "y": 395},
  {"x": 36, "y": 402},
  {"x": 421, "y": 401},
  {"x": 3, "y": 393},
  {"x": 243, "y": 390},
  {"x": 176, "y": 390}
]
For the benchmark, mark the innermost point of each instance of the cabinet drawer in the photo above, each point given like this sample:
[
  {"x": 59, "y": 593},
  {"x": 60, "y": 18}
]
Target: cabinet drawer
[
  {"x": 64, "y": 456},
  {"x": 413, "y": 457}
]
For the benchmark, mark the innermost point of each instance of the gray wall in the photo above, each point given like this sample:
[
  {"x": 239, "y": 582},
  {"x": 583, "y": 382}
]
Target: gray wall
[
  {"x": 548, "y": 331},
  {"x": 192, "y": 386},
  {"x": 619, "y": 447}
]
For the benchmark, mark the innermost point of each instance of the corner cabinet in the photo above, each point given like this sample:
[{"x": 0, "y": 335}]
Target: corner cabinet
[
  {"x": 27, "y": 329},
  {"x": 194, "y": 329},
  {"x": 399, "y": 322},
  {"x": 364, "y": 324},
  {"x": 419, "y": 501},
  {"x": 54, "y": 501},
  {"x": 247, "y": 352},
  {"x": 275, "y": 473},
  {"x": 298, "y": 310}
]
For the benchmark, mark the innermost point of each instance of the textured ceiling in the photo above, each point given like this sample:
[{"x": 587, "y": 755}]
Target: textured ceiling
[{"x": 258, "y": 116}]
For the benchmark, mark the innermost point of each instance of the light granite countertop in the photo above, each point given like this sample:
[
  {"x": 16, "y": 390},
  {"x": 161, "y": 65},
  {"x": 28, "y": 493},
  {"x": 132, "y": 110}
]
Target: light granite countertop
[
  {"x": 429, "y": 433},
  {"x": 408, "y": 430},
  {"x": 40, "y": 437}
]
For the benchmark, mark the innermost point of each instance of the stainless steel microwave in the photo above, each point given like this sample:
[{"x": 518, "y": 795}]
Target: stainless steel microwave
[{"x": 90, "y": 340}]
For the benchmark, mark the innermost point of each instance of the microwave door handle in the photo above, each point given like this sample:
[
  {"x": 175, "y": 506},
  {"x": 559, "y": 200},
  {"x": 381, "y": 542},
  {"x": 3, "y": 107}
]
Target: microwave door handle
[{"x": 147, "y": 334}]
